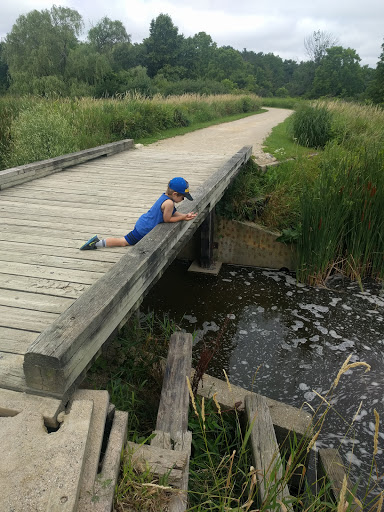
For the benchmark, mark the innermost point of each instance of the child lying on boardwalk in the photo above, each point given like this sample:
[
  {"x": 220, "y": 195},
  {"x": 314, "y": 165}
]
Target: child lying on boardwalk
[{"x": 162, "y": 211}]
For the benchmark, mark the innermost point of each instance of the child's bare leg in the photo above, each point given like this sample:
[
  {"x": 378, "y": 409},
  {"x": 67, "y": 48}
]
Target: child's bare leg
[{"x": 116, "y": 242}]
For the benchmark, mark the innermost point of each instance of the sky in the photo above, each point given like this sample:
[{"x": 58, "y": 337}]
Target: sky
[{"x": 277, "y": 26}]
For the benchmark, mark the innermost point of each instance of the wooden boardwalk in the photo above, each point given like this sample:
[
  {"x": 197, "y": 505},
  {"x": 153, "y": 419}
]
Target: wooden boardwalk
[{"x": 43, "y": 274}]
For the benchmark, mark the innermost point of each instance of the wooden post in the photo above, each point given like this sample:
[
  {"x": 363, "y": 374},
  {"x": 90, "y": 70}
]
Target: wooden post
[
  {"x": 331, "y": 467},
  {"x": 206, "y": 248},
  {"x": 265, "y": 450},
  {"x": 172, "y": 418}
]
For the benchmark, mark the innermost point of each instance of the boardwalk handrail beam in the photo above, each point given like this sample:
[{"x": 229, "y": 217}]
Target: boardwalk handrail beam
[
  {"x": 21, "y": 174},
  {"x": 57, "y": 358}
]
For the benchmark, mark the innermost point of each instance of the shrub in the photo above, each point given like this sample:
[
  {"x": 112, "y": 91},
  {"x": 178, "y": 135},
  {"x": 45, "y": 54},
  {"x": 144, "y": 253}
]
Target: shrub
[
  {"x": 312, "y": 125},
  {"x": 42, "y": 131}
]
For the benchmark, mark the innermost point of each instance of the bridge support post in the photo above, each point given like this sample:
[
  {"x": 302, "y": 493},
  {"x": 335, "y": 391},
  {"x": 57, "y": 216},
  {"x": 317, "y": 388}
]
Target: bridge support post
[
  {"x": 205, "y": 263},
  {"x": 206, "y": 241}
]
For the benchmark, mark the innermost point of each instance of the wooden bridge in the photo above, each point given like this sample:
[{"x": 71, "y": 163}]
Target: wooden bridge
[{"x": 58, "y": 305}]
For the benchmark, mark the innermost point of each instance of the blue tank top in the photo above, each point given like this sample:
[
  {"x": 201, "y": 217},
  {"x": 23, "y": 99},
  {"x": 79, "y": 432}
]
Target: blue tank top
[{"x": 153, "y": 217}]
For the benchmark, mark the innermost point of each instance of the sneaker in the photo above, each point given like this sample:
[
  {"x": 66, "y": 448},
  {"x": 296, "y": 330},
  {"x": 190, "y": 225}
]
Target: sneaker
[{"x": 91, "y": 244}]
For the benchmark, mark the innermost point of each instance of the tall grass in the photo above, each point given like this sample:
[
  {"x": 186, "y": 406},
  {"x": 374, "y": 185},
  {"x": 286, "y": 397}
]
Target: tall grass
[{"x": 34, "y": 128}]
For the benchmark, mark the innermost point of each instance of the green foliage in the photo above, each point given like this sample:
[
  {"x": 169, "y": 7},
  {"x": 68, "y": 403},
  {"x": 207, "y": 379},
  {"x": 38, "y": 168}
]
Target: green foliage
[
  {"x": 40, "y": 41},
  {"x": 41, "y": 131},
  {"x": 311, "y": 125},
  {"x": 107, "y": 33},
  {"x": 244, "y": 198},
  {"x": 338, "y": 74},
  {"x": 376, "y": 88},
  {"x": 45, "y": 44}
]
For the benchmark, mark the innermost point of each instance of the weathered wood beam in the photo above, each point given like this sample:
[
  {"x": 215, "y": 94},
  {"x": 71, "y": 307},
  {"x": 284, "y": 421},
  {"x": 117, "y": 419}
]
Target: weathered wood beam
[
  {"x": 265, "y": 450},
  {"x": 331, "y": 467},
  {"x": 58, "y": 356}
]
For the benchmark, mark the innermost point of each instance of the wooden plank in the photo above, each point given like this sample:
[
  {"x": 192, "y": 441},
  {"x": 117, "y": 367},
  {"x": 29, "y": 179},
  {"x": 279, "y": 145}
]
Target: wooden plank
[
  {"x": 265, "y": 450},
  {"x": 55, "y": 261},
  {"x": 59, "y": 224},
  {"x": 331, "y": 466},
  {"x": 16, "y": 341},
  {"x": 76, "y": 276},
  {"x": 160, "y": 461},
  {"x": 62, "y": 352},
  {"x": 25, "y": 319},
  {"x": 174, "y": 393},
  {"x": 34, "y": 301},
  {"x": 43, "y": 286},
  {"x": 66, "y": 247}
]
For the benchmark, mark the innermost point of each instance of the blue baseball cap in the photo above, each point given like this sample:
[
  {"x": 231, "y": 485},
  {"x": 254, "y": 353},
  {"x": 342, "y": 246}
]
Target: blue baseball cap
[{"x": 181, "y": 186}]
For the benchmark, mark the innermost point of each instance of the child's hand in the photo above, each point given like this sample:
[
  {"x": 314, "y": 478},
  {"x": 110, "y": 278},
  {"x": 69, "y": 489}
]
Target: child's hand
[{"x": 190, "y": 216}]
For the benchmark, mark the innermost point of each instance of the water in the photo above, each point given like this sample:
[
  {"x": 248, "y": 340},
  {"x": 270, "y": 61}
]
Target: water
[{"x": 288, "y": 341}]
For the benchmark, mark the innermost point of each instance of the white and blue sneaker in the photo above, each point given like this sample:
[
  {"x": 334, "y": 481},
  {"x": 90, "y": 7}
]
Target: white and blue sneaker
[{"x": 91, "y": 244}]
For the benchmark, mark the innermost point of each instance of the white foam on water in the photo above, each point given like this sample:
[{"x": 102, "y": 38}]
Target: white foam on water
[
  {"x": 335, "y": 335},
  {"x": 342, "y": 347},
  {"x": 346, "y": 307},
  {"x": 289, "y": 294},
  {"x": 316, "y": 337},
  {"x": 231, "y": 316},
  {"x": 303, "y": 386},
  {"x": 243, "y": 332},
  {"x": 352, "y": 459},
  {"x": 247, "y": 283},
  {"x": 274, "y": 308},
  {"x": 322, "y": 329},
  {"x": 298, "y": 341},
  {"x": 297, "y": 325},
  {"x": 335, "y": 301},
  {"x": 260, "y": 309},
  {"x": 309, "y": 396},
  {"x": 227, "y": 280},
  {"x": 191, "y": 319},
  {"x": 315, "y": 309}
]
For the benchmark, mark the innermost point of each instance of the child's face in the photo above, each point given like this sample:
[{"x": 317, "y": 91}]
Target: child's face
[{"x": 177, "y": 197}]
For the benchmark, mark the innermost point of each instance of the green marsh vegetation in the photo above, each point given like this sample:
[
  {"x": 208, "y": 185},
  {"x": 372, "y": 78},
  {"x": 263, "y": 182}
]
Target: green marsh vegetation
[
  {"x": 33, "y": 129},
  {"x": 329, "y": 202}
]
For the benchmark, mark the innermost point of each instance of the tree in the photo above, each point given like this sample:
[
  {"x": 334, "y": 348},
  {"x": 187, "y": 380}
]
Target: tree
[
  {"x": 40, "y": 41},
  {"x": 317, "y": 44},
  {"x": 376, "y": 88},
  {"x": 339, "y": 74},
  {"x": 107, "y": 33},
  {"x": 3, "y": 70},
  {"x": 163, "y": 45}
]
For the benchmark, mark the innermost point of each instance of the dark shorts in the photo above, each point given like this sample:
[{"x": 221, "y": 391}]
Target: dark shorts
[{"x": 133, "y": 237}]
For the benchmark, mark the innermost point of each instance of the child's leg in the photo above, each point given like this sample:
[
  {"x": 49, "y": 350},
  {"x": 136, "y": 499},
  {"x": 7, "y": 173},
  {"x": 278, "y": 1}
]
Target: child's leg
[{"x": 116, "y": 242}]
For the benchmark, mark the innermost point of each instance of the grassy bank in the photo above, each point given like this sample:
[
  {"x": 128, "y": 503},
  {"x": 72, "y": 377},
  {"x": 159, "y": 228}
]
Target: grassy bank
[
  {"x": 33, "y": 129},
  {"x": 330, "y": 204}
]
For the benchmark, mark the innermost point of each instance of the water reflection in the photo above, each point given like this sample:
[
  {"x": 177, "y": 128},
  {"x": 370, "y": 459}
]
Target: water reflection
[{"x": 288, "y": 341}]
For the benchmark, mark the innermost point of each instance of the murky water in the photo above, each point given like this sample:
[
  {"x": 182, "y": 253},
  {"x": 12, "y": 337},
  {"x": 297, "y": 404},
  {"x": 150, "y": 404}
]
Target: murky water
[{"x": 288, "y": 341}]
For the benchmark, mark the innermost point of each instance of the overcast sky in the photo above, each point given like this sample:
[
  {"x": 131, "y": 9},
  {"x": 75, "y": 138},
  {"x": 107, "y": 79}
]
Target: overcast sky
[{"x": 277, "y": 26}]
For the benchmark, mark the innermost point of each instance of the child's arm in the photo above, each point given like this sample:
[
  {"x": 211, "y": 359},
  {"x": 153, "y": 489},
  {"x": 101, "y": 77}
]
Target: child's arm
[{"x": 169, "y": 216}]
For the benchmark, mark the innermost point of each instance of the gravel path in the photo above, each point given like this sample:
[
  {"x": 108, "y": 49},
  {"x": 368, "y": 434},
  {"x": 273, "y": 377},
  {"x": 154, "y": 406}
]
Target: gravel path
[{"x": 227, "y": 138}]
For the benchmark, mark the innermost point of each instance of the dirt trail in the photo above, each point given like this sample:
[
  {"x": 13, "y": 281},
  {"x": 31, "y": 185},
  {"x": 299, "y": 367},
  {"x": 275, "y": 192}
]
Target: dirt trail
[{"x": 228, "y": 138}]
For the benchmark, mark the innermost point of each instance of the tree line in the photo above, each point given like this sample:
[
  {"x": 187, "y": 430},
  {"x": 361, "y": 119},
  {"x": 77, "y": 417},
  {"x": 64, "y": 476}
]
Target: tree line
[{"x": 43, "y": 55}]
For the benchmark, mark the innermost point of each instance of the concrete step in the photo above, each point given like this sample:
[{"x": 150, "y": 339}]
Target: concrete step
[
  {"x": 57, "y": 468},
  {"x": 41, "y": 470}
]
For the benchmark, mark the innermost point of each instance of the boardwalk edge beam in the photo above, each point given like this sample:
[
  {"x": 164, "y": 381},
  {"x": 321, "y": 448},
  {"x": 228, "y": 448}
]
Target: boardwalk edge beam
[{"x": 57, "y": 358}]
